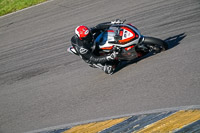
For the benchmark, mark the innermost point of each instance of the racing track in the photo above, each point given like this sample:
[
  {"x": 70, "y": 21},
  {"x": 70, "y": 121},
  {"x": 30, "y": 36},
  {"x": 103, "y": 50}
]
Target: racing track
[{"x": 41, "y": 85}]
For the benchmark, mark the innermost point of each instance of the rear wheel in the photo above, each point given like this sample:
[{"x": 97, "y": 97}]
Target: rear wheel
[{"x": 155, "y": 45}]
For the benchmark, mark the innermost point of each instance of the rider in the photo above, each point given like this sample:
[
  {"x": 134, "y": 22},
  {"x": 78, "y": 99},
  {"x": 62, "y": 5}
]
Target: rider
[{"x": 83, "y": 42}]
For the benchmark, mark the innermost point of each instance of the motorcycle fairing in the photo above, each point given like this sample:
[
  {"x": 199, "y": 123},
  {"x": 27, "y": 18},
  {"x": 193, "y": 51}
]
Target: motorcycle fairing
[
  {"x": 127, "y": 35},
  {"x": 122, "y": 35}
]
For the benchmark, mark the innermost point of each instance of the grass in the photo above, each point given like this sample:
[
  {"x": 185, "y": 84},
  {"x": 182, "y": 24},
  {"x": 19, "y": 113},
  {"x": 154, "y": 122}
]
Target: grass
[{"x": 8, "y": 6}]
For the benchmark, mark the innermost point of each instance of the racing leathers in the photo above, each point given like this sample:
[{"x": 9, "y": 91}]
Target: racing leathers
[{"x": 87, "y": 50}]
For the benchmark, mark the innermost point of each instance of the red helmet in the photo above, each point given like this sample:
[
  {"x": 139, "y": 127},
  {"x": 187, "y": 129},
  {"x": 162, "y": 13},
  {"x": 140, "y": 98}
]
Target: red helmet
[{"x": 82, "y": 32}]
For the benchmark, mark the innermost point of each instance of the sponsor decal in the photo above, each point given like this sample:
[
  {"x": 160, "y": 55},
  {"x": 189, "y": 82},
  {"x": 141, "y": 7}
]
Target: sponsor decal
[
  {"x": 86, "y": 32},
  {"x": 83, "y": 51}
]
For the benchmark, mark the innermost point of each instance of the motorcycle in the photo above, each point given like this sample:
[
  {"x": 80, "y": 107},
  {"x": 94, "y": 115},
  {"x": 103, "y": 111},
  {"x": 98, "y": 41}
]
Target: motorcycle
[{"x": 127, "y": 41}]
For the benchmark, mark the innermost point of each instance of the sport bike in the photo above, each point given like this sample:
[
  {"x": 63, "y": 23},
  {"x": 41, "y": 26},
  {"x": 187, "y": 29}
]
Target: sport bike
[{"x": 127, "y": 41}]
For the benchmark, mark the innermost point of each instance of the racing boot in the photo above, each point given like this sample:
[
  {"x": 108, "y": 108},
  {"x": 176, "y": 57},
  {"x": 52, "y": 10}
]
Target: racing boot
[{"x": 109, "y": 69}]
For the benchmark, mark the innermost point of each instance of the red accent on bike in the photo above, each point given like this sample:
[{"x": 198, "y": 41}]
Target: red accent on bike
[
  {"x": 121, "y": 33},
  {"x": 110, "y": 30},
  {"x": 128, "y": 48},
  {"x": 108, "y": 48},
  {"x": 127, "y": 39}
]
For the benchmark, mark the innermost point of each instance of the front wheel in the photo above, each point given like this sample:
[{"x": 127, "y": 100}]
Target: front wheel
[{"x": 154, "y": 44}]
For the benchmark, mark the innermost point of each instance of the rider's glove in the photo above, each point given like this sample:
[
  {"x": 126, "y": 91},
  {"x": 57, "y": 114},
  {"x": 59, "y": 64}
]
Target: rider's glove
[
  {"x": 117, "y": 21},
  {"x": 112, "y": 56}
]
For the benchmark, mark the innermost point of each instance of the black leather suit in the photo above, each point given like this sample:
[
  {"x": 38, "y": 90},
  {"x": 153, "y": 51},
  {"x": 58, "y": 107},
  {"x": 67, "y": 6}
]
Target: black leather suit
[{"x": 86, "y": 49}]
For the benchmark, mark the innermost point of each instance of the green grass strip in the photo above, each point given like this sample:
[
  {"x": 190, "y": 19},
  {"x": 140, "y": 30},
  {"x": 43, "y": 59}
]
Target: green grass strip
[{"x": 8, "y": 6}]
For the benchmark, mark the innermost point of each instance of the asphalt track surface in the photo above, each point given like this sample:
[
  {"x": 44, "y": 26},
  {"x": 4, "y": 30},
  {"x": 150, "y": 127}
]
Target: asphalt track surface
[{"x": 41, "y": 85}]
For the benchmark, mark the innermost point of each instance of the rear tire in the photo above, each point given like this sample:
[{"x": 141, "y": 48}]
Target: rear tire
[{"x": 155, "y": 44}]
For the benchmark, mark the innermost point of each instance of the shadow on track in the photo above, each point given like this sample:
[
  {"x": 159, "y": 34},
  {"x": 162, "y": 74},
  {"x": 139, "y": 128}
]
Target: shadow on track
[
  {"x": 175, "y": 40},
  {"x": 171, "y": 41}
]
